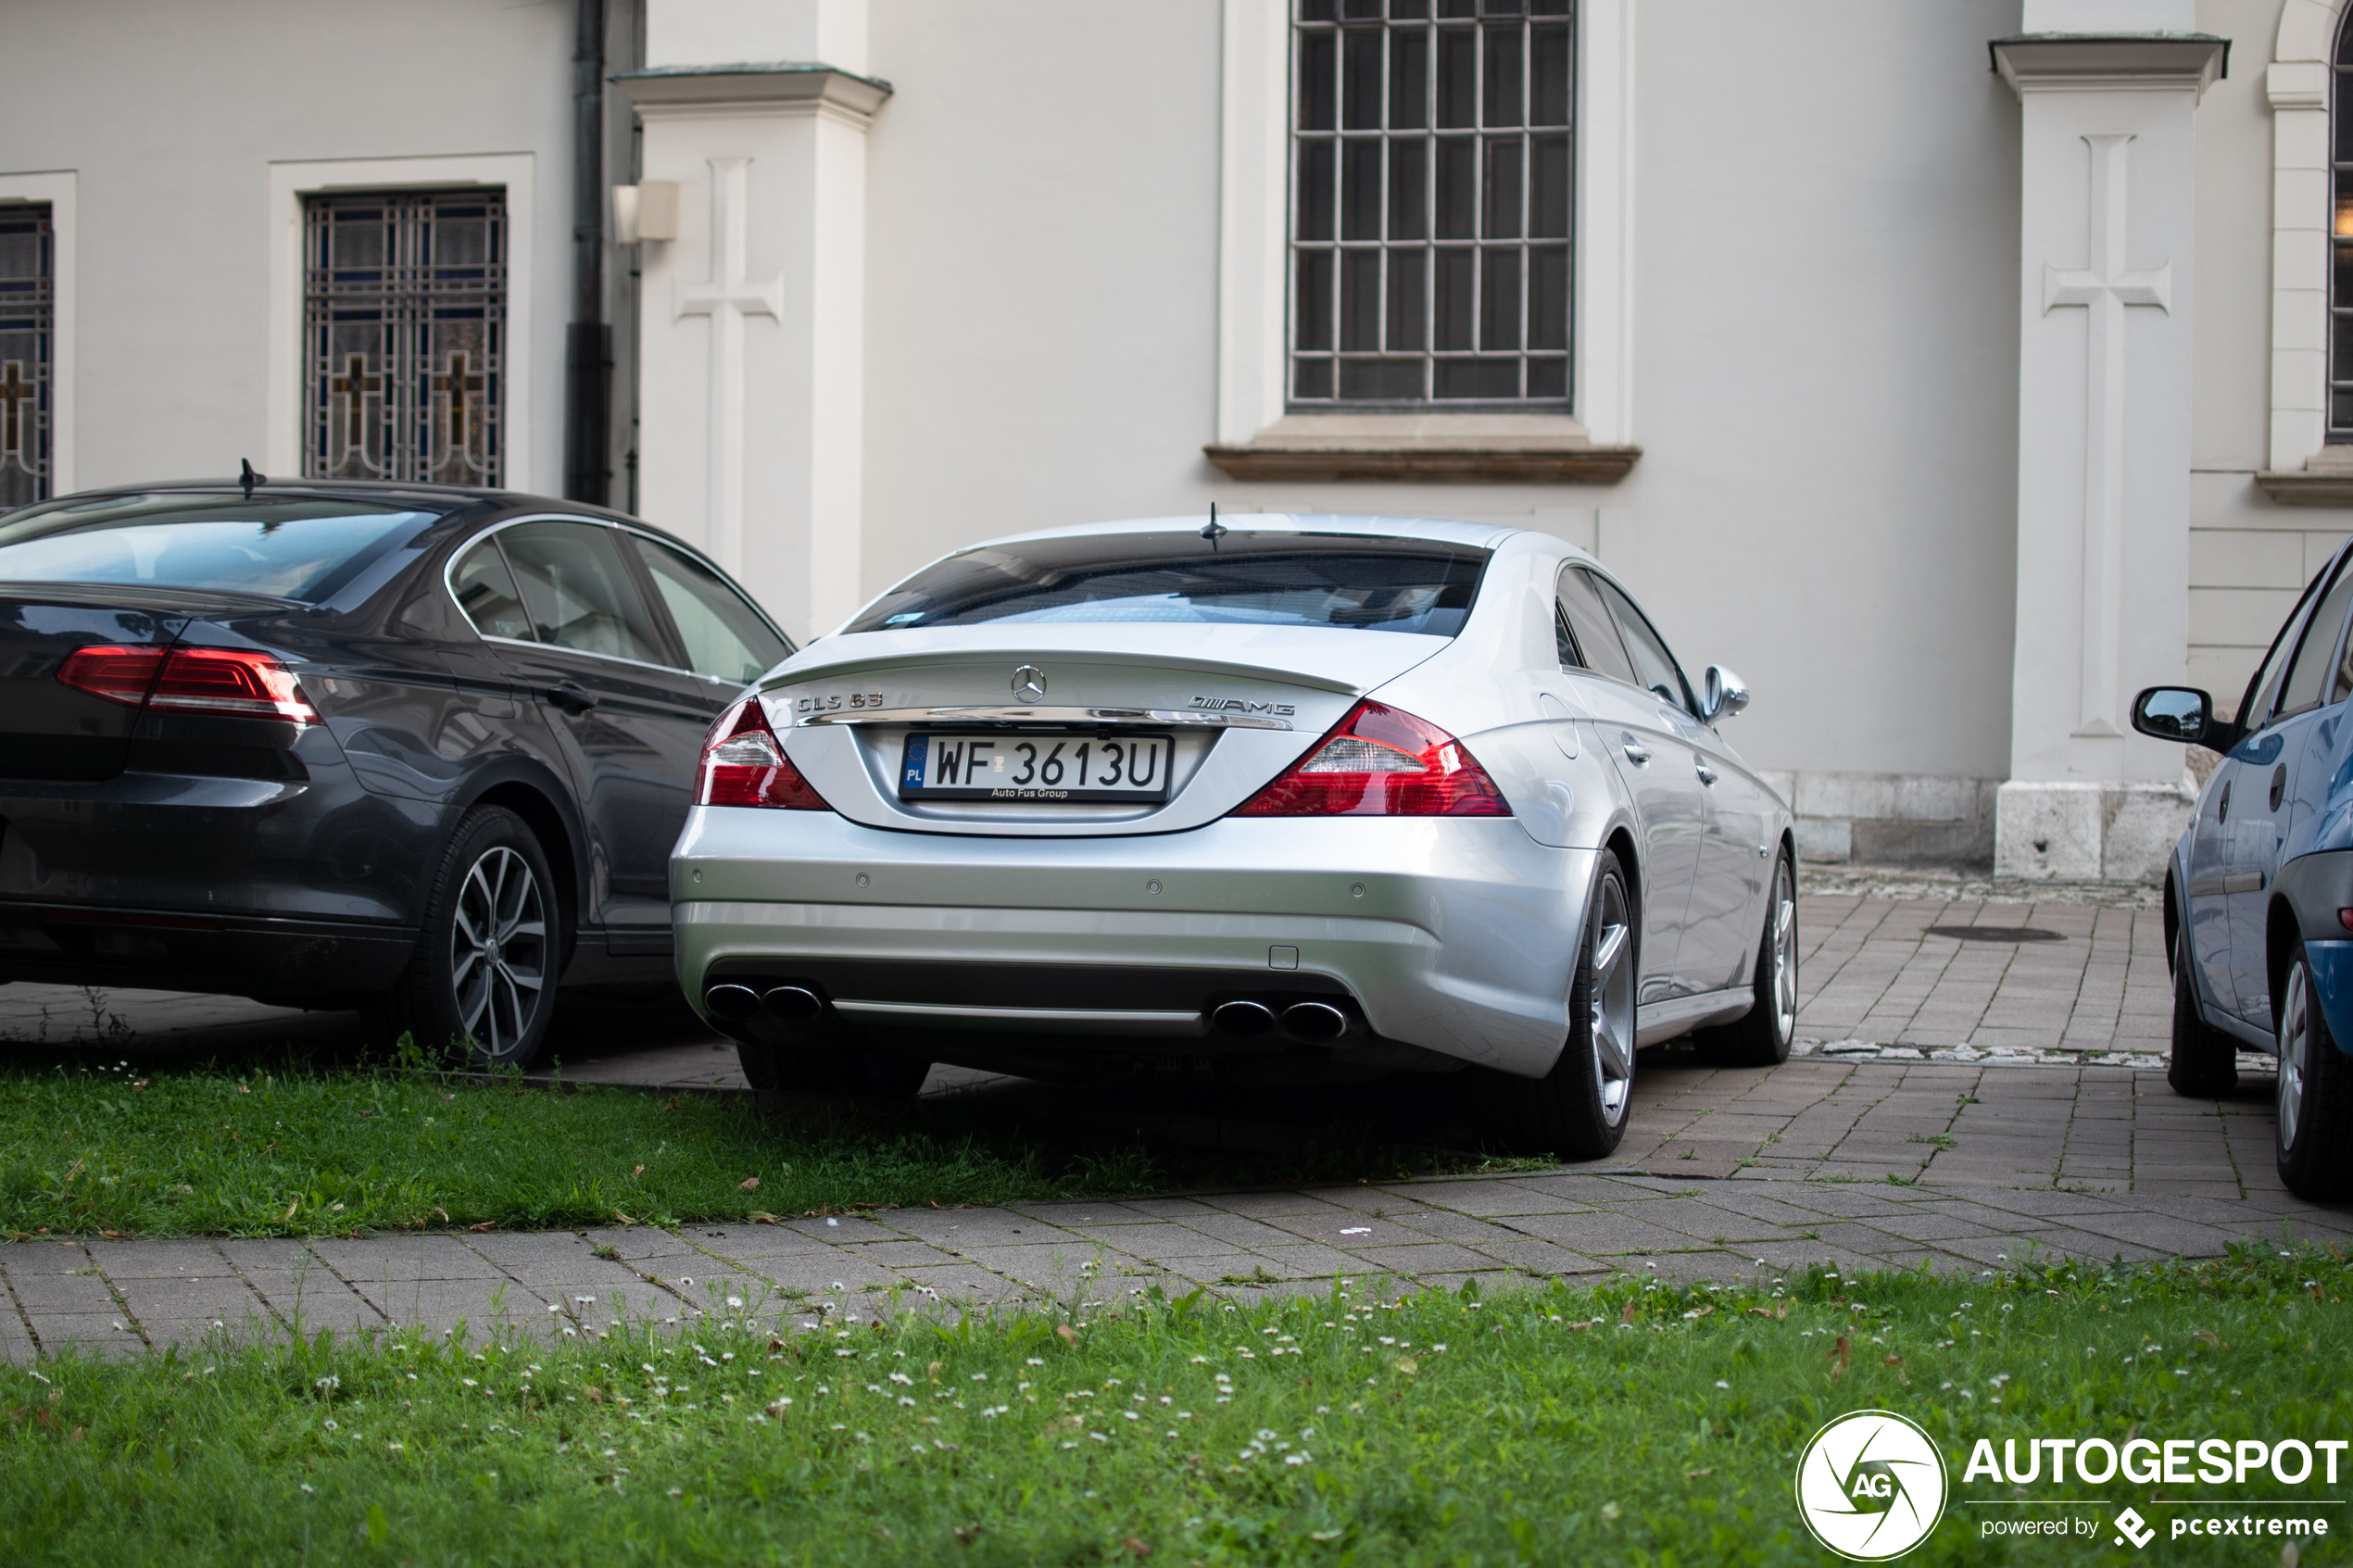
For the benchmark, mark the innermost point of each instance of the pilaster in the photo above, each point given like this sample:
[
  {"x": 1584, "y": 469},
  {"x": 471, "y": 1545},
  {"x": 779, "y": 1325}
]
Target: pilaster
[
  {"x": 751, "y": 326},
  {"x": 2107, "y": 294}
]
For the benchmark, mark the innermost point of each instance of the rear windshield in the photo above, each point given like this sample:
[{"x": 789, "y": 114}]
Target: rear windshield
[
  {"x": 287, "y": 548},
  {"x": 1246, "y": 579}
]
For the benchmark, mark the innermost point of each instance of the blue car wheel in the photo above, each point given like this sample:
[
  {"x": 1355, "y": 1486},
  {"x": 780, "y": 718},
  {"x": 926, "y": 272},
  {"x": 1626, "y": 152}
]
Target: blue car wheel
[{"x": 2315, "y": 1093}]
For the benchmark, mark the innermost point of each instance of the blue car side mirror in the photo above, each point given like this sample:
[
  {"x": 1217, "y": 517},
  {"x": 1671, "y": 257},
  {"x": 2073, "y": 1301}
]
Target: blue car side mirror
[{"x": 2178, "y": 713}]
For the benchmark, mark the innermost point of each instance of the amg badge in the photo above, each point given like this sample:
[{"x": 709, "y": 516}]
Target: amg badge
[{"x": 1236, "y": 705}]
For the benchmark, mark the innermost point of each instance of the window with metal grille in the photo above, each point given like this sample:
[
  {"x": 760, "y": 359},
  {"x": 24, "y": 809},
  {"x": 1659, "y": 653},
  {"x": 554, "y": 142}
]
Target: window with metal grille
[
  {"x": 1430, "y": 185},
  {"x": 2341, "y": 242},
  {"x": 28, "y": 252},
  {"x": 405, "y": 335}
]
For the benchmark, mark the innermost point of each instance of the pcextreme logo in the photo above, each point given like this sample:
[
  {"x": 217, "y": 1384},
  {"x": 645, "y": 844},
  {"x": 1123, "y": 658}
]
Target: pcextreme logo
[{"x": 1871, "y": 1485}]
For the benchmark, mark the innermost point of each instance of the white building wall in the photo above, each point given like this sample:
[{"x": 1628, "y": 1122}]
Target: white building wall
[
  {"x": 171, "y": 116},
  {"x": 1825, "y": 371},
  {"x": 1824, "y": 363},
  {"x": 2249, "y": 555}
]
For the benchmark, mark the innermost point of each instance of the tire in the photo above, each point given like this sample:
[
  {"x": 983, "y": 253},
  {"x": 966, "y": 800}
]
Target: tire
[
  {"x": 483, "y": 977},
  {"x": 1762, "y": 1037},
  {"x": 2315, "y": 1136},
  {"x": 1579, "y": 1110},
  {"x": 2204, "y": 1064}
]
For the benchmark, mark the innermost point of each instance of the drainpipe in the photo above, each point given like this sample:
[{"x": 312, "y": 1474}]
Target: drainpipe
[{"x": 588, "y": 341}]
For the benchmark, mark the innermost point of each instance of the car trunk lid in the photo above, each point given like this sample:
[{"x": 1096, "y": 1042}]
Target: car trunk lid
[{"x": 1237, "y": 704}]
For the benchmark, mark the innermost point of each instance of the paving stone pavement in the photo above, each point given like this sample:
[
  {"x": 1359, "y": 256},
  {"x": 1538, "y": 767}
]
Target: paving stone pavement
[{"x": 1875, "y": 970}]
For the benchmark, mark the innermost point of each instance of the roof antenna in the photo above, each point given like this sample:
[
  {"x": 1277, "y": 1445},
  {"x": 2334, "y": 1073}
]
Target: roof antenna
[
  {"x": 248, "y": 478},
  {"x": 1216, "y": 530}
]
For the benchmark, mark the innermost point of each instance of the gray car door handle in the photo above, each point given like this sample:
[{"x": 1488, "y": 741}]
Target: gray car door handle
[
  {"x": 1706, "y": 774},
  {"x": 570, "y": 698},
  {"x": 1636, "y": 752}
]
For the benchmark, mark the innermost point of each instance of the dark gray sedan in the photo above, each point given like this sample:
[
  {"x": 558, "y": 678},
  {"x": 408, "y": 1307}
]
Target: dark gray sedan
[{"x": 417, "y": 749}]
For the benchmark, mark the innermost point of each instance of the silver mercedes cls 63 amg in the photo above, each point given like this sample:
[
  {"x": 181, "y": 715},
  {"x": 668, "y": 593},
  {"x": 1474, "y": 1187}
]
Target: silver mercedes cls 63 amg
[{"x": 1285, "y": 797}]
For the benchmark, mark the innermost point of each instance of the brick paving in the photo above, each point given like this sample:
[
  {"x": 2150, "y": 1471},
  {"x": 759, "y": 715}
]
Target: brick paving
[
  {"x": 1872, "y": 1163},
  {"x": 1873, "y": 971}
]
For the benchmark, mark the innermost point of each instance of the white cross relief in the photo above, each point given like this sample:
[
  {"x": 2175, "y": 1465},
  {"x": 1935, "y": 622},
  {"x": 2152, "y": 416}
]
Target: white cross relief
[
  {"x": 2104, "y": 288},
  {"x": 727, "y": 297}
]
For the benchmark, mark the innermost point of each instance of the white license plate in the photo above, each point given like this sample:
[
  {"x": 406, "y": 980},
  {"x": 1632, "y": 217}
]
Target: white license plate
[{"x": 1024, "y": 767}]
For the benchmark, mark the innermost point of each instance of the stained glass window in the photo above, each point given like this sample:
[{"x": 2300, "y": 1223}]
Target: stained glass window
[
  {"x": 405, "y": 335},
  {"x": 27, "y": 321},
  {"x": 1430, "y": 185}
]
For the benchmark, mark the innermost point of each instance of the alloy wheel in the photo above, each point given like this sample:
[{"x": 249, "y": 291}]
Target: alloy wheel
[
  {"x": 1610, "y": 1021},
  {"x": 498, "y": 951},
  {"x": 1784, "y": 954},
  {"x": 2295, "y": 1052}
]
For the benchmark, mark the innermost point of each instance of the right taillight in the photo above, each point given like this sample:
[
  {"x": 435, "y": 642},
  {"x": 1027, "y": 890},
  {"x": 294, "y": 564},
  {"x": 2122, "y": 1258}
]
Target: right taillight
[
  {"x": 742, "y": 765},
  {"x": 1381, "y": 762}
]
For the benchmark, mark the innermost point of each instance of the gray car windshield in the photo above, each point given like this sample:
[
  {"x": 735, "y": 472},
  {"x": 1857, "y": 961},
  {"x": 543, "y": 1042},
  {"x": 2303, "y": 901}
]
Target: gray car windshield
[
  {"x": 286, "y": 547},
  {"x": 1246, "y": 579}
]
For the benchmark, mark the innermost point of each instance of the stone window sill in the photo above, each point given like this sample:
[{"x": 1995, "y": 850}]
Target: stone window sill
[
  {"x": 1426, "y": 448},
  {"x": 2325, "y": 480}
]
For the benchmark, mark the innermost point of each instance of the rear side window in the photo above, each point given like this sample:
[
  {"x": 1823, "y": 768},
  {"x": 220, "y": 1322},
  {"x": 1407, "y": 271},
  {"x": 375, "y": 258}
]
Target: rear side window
[
  {"x": 287, "y": 548},
  {"x": 577, "y": 590},
  {"x": 726, "y": 638},
  {"x": 485, "y": 591},
  {"x": 2314, "y": 657},
  {"x": 1655, "y": 668},
  {"x": 1245, "y": 578},
  {"x": 1596, "y": 634}
]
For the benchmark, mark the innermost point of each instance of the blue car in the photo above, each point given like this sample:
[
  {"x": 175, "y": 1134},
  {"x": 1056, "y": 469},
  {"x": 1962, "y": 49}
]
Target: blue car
[{"x": 2258, "y": 899}]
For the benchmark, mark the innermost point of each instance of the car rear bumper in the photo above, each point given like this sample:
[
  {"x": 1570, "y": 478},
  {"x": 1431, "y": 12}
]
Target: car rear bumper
[
  {"x": 203, "y": 882},
  {"x": 1456, "y": 935}
]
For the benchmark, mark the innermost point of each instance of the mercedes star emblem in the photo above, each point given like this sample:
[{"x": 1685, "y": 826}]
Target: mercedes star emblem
[{"x": 1029, "y": 682}]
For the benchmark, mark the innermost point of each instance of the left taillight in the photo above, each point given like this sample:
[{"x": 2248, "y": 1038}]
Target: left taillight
[
  {"x": 743, "y": 765},
  {"x": 235, "y": 683},
  {"x": 1381, "y": 762}
]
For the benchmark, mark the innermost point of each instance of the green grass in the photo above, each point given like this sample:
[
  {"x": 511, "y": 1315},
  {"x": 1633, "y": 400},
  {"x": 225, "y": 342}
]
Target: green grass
[
  {"x": 293, "y": 1150},
  {"x": 1641, "y": 1424}
]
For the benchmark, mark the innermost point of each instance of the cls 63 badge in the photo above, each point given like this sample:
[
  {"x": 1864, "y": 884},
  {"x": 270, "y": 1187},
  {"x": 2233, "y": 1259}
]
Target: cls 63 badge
[{"x": 835, "y": 702}]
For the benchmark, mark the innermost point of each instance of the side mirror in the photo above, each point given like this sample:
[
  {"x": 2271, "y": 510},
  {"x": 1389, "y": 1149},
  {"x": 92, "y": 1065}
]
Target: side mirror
[
  {"x": 2177, "y": 713},
  {"x": 1722, "y": 694}
]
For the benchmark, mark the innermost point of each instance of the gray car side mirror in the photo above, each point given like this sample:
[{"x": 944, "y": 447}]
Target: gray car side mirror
[
  {"x": 2177, "y": 713},
  {"x": 1722, "y": 694}
]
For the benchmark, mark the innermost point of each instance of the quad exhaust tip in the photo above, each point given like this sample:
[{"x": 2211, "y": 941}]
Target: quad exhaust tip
[
  {"x": 793, "y": 1004},
  {"x": 1314, "y": 1023},
  {"x": 732, "y": 1002},
  {"x": 1247, "y": 1020},
  {"x": 1317, "y": 1022}
]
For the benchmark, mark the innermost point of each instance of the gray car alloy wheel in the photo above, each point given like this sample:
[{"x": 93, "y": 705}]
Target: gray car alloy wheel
[
  {"x": 2295, "y": 1050},
  {"x": 1784, "y": 953},
  {"x": 1611, "y": 1002},
  {"x": 498, "y": 951}
]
